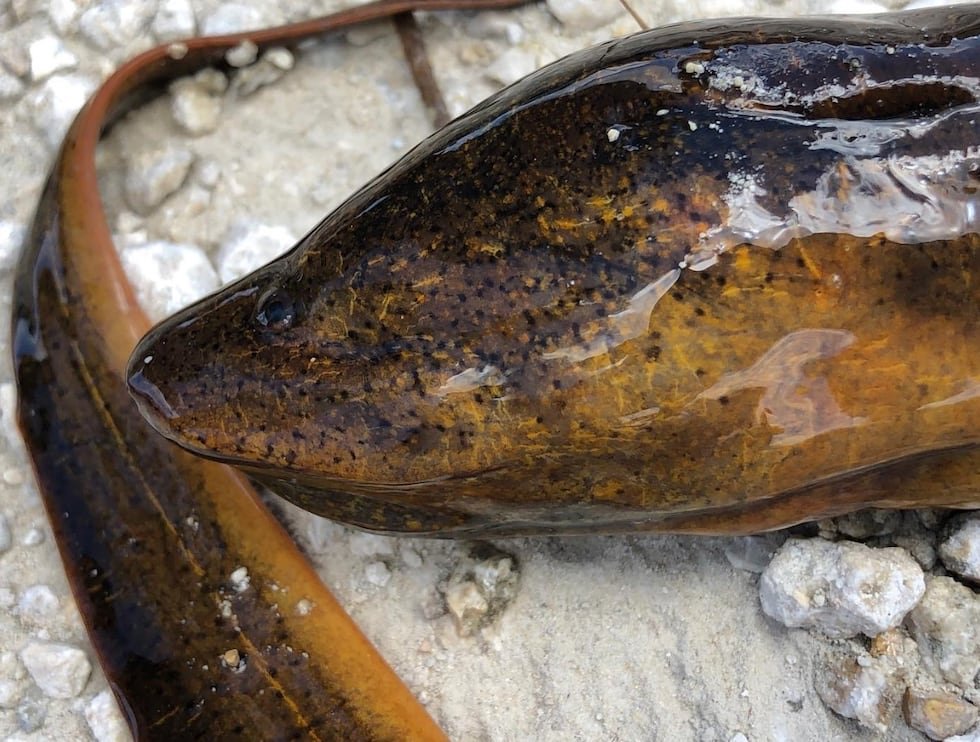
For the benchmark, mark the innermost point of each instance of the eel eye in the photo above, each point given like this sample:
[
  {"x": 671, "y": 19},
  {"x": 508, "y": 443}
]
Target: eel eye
[{"x": 276, "y": 310}]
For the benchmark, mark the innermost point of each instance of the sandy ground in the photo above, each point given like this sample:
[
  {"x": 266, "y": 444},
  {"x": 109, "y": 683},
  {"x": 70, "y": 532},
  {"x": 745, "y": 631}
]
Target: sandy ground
[{"x": 652, "y": 638}]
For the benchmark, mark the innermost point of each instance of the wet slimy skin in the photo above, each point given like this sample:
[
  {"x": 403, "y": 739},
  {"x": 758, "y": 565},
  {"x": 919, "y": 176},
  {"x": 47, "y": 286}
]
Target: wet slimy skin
[{"x": 718, "y": 277}]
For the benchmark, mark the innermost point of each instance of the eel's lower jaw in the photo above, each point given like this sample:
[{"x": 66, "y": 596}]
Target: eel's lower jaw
[{"x": 152, "y": 404}]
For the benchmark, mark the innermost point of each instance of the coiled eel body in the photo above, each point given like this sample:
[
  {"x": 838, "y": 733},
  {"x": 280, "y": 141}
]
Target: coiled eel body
[{"x": 718, "y": 277}]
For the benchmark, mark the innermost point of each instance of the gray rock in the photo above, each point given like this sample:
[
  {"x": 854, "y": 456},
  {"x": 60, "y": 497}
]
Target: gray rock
[
  {"x": 49, "y": 55},
  {"x": 152, "y": 176},
  {"x": 112, "y": 24},
  {"x": 174, "y": 20},
  {"x": 840, "y": 589},
  {"x": 234, "y": 17},
  {"x": 944, "y": 625},
  {"x": 59, "y": 670},
  {"x": 55, "y": 104},
  {"x": 250, "y": 245},
  {"x": 960, "y": 551},
  {"x": 585, "y": 13},
  {"x": 168, "y": 276}
]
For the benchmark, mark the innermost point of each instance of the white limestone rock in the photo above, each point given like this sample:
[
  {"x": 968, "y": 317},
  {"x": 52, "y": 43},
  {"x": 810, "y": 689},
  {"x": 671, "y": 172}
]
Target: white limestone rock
[
  {"x": 153, "y": 176},
  {"x": 250, "y": 245},
  {"x": 168, "y": 276},
  {"x": 49, "y": 55},
  {"x": 63, "y": 14},
  {"x": 960, "y": 551},
  {"x": 105, "y": 720},
  {"x": 59, "y": 670},
  {"x": 112, "y": 24},
  {"x": 840, "y": 589},
  {"x": 196, "y": 101},
  {"x": 944, "y": 625},
  {"x": 37, "y": 604},
  {"x": 234, "y": 17},
  {"x": 174, "y": 20},
  {"x": 55, "y": 103},
  {"x": 582, "y": 14}
]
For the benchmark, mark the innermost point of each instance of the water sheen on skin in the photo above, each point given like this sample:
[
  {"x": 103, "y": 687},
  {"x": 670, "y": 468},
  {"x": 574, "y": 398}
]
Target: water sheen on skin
[{"x": 718, "y": 277}]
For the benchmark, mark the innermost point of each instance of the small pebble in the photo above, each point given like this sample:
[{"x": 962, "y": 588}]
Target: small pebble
[
  {"x": 944, "y": 625},
  {"x": 495, "y": 25},
  {"x": 153, "y": 176},
  {"x": 195, "y": 104},
  {"x": 866, "y": 524},
  {"x": 583, "y": 14},
  {"x": 752, "y": 553},
  {"x": 59, "y": 670},
  {"x": 231, "y": 18},
  {"x": 467, "y": 605},
  {"x": 168, "y": 276},
  {"x": 174, "y": 20},
  {"x": 242, "y": 55},
  {"x": 63, "y": 14},
  {"x": 511, "y": 66},
  {"x": 936, "y": 714},
  {"x": 377, "y": 573},
  {"x": 49, "y": 55},
  {"x": 269, "y": 69},
  {"x": 105, "y": 720},
  {"x": 840, "y": 589},
  {"x": 481, "y": 586},
  {"x": 37, "y": 603},
  {"x": 868, "y": 691},
  {"x": 114, "y": 24},
  {"x": 250, "y": 245},
  {"x": 960, "y": 551},
  {"x": 33, "y": 537},
  {"x": 57, "y": 101}
]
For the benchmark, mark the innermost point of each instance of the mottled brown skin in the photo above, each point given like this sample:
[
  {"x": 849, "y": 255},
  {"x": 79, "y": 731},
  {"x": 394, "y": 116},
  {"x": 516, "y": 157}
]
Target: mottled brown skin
[
  {"x": 513, "y": 239},
  {"x": 150, "y": 536}
]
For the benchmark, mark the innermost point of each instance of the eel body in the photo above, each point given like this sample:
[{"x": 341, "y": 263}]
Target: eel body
[
  {"x": 208, "y": 621},
  {"x": 717, "y": 277}
]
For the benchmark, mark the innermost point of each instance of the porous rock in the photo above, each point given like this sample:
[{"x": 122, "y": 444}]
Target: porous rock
[
  {"x": 585, "y": 13},
  {"x": 960, "y": 551},
  {"x": 250, "y": 245},
  {"x": 480, "y": 587},
  {"x": 944, "y": 626},
  {"x": 937, "y": 714},
  {"x": 152, "y": 176},
  {"x": 59, "y": 670},
  {"x": 840, "y": 589},
  {"x": 867, "y": 689},
  {"x": 168, "y": 276},
  {"x": 104, "y": 719}
]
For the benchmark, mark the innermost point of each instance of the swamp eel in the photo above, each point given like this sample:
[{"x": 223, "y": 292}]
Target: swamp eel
[
  {"x": 719, "y": 277},
  {"x": 208, "y": 622}
]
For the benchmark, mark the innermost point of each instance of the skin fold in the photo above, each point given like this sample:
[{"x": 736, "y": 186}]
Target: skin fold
[
  {"x": 208, "y": 621},
  {"x": 719, "y": 277}
]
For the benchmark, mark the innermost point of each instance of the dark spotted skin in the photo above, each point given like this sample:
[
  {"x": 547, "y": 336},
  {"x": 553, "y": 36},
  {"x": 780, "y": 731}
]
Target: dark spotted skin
[{"x": 474, "y": 342}]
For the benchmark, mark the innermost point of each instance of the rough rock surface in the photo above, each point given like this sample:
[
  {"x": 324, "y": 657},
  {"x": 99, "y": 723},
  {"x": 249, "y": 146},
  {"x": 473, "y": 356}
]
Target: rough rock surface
[
  {"x": 840, "y": 589},
  {"x": 944, "y": 625}
]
